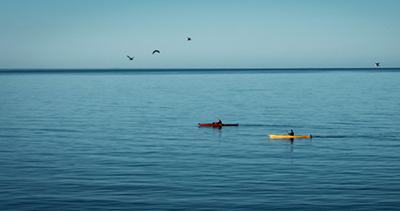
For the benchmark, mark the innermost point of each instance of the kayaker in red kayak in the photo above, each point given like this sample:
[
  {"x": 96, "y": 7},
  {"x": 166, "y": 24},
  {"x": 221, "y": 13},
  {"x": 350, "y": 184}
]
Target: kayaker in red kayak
[
  {"x": 219, "y": 122},
  {"x": 216, "y": 124},
  {"x": 291, "y": 133}
]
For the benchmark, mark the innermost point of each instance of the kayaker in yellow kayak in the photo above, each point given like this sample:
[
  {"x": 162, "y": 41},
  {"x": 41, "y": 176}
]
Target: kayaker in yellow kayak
[{"x": 289, "y": 136}]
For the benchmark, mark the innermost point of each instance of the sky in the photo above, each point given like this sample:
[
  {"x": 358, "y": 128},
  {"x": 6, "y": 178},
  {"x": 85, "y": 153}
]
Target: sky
[{"x": 70, "y": 34}]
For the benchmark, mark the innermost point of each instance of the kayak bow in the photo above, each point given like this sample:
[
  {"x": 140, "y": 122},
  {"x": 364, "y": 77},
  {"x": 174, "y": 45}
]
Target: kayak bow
[{"x": 287, "y": 136}]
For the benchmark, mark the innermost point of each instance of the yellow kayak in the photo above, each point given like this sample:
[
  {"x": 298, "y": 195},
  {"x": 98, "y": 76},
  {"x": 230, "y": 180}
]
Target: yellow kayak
[{"x": 287, "y": 136}]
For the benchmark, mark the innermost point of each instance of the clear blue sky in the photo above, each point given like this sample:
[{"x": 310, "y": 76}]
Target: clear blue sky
[{"x": 225, "y": 33}]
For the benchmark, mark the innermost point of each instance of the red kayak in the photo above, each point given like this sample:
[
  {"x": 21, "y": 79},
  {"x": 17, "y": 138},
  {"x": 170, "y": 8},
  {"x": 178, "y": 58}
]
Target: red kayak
[{"x": 216, "y": 124}]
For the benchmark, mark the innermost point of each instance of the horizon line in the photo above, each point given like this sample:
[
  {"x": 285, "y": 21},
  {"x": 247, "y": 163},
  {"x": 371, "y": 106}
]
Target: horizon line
[{"x": 183, "y": 68}]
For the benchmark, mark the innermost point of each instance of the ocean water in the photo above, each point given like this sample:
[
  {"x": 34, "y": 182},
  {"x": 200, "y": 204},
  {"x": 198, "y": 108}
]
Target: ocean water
[{"x": 129, "y": 140}]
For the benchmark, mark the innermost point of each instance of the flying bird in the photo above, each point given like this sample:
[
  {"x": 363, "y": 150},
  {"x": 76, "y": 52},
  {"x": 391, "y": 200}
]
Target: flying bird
[
  {"x": 156, "y": 51},
  {"x": 130, "y": 58},
  {"x": 188, "y": 39},
  {"x": 377, "y": 64}
]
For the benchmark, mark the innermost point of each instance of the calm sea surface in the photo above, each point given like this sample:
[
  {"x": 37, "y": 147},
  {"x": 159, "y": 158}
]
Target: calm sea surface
[{"x": 129, "y": 140}]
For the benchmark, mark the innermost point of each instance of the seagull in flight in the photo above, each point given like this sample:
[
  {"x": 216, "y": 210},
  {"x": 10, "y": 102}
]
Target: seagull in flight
[
  {"x": 156, "y": 51},
  {"x": 188, "y": 39},
  {"x": 377, "y": 64},
  {"x": 130, "y": 58}
]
